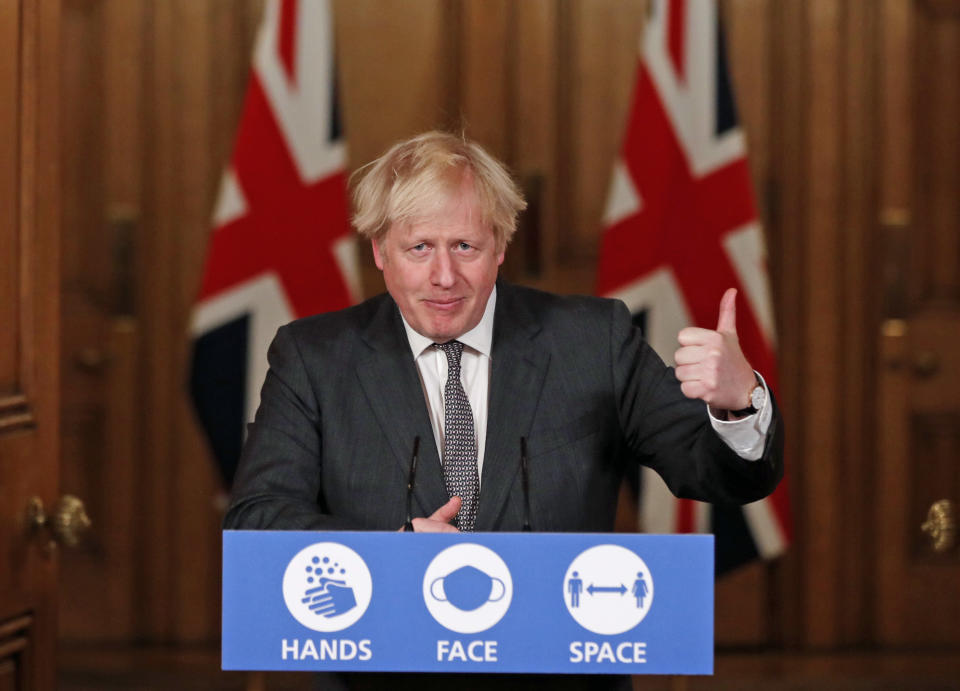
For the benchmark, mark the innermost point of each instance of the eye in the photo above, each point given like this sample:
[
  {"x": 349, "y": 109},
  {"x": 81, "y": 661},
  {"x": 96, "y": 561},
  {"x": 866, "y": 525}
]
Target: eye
[
  {"x": 464, "y": 246},
  {"x": 420, "y": 247}
]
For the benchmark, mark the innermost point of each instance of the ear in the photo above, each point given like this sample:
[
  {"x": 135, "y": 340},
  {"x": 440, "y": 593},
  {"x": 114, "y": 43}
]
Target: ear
[
  {"x": 500, "y": 258},
  {"x": 377, "y": 256}
]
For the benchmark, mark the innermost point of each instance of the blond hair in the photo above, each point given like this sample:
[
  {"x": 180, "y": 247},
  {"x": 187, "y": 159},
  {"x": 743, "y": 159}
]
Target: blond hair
[{"x": 414, "y": 179}]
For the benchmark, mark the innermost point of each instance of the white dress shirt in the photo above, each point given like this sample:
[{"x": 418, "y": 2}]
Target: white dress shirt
[
  {"x": 746, "y": 436},
  {"x": 474, "y": 375}
]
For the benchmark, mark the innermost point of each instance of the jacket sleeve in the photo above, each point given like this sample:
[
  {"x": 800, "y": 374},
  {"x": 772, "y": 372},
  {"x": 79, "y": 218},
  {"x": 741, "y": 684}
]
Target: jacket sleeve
[
  {"x": 672, "y": 434},
  {"x": 278, "y": 481}
]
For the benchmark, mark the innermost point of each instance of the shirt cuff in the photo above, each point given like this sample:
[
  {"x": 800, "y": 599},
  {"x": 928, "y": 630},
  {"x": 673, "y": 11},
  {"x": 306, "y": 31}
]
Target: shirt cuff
[{"x": 747, "y": 437}]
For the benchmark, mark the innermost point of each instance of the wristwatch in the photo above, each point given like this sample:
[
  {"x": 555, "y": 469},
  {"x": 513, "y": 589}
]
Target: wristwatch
[{"x": 757, "y": 398}]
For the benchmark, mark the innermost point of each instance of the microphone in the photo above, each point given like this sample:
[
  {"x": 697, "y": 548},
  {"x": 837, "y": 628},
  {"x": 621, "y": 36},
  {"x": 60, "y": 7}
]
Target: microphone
[
  {"x": 525, "y": 477},
  {"x": 408, "y": 526}
]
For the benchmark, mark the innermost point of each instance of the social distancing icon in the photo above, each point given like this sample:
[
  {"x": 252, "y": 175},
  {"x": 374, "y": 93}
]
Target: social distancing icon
[{"x": 608, "y": 589}]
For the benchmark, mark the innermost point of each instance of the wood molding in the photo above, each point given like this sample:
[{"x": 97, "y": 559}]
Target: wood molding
[
  {"x": 10, "y": 123},
  {"x": 860, "y": 318},
  {"x": 789, "y": 77},
  {"x": 15, "y": 413}
]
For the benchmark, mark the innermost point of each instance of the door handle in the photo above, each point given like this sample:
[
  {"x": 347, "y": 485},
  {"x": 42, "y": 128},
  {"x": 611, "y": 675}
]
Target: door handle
[
  {"x": 941, "y": 525},
  {"x": 65, "y": 525}
]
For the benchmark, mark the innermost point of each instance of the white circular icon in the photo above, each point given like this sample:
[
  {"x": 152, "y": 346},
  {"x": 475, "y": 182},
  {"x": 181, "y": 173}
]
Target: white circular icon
[
  {"x": 327, "y": 586},
  {"x": 467, "y": 588},
  {"x": 608, "y": 589}
]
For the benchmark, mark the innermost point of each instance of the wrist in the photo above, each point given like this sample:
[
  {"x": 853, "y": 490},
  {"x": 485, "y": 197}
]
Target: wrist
[{"x": 756, "y": 397}]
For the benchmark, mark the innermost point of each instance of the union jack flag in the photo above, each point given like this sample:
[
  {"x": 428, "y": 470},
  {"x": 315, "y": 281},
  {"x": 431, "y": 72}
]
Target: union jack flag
[
  {"x": 680, "y": 227},
  {"x": 281, "y": 246}
]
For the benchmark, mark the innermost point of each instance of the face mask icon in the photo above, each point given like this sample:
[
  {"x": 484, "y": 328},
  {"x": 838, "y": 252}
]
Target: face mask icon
[{"x": 467, "y": 588}]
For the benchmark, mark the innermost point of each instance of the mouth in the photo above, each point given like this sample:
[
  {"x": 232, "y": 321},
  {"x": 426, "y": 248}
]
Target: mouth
[{"x": 444, "y": 304}]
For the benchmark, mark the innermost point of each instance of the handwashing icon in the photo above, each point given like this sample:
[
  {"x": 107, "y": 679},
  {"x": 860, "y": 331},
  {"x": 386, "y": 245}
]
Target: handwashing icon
[
  {"x": 327, "y": 586},
  {"x": 467, "y": 588}
]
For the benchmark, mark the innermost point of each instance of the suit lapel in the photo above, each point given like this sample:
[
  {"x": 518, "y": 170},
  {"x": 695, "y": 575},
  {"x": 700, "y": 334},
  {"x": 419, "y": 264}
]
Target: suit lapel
[
  {"x": 518, "y": 366},
  {"x": 392, "y": 387}
]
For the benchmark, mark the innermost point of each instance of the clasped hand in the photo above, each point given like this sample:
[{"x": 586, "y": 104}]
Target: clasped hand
[{"x": 439, "y": 520}]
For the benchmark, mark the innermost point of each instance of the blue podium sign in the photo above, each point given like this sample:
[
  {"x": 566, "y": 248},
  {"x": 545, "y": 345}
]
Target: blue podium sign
[{"x": 568, "y": 603}]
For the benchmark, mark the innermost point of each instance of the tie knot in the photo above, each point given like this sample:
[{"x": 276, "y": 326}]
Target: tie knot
[{"x": 453, "y": 351}]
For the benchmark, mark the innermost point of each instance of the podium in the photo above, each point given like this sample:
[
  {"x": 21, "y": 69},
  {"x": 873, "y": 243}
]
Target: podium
[{"x": 557, "y": 603}]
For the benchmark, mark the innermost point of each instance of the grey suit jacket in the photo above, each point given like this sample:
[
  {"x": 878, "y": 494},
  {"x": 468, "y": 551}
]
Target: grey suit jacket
[{"x": 331, "y": 443}]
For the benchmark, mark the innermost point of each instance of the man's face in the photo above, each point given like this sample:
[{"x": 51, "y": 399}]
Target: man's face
[{"x": 440, "y": 271}]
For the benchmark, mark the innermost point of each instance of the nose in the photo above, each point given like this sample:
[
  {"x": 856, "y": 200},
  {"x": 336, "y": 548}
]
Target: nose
[{"x": 441, "y": 270}]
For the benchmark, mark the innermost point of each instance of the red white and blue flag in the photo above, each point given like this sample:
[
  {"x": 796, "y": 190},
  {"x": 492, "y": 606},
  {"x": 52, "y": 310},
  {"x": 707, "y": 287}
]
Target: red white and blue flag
[
  {"x": 281, "y": 246},
  {"x": 681, "y": 227}
]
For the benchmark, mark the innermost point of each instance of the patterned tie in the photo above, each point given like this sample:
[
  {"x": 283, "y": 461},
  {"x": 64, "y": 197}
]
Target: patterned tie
[{"x": 459, "y": 441}]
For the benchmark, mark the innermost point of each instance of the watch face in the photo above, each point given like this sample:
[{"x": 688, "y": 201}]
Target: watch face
[{"x": 757, "y": 397}]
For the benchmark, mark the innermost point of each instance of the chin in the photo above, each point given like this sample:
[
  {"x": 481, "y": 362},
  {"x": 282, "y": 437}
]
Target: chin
[
  {"x": 445, "y": 331},
  {"x": 444, "y": 336}
]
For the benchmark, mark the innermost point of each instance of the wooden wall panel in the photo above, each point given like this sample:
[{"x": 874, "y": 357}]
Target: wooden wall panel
[
  {"x": 936, "y": 117},
  {"x": 749, "y": 30},
  {"x": 604, "y": 47},
  {"x": 394, "y": 71},
  {"x": 787, "y": 208},
  {"x": 100, "y": 192},
  {"x": 821, "y": 404},
  {"x": 109, "y": 588},
  {"x": 157, "y": 249},
  {"x": 195, "y": 520},
  {"x": 894, "y": 206},
  {"x": 191, "y": 135},
  {"x": 122, "y": 65},
  {"x": 859, "y": 318},
  {"x": 399, "y": 75},
  {"x": 9, "y": 163},
  {"x": 534, "y": 132},
  {"x": 487, "y": 68}
]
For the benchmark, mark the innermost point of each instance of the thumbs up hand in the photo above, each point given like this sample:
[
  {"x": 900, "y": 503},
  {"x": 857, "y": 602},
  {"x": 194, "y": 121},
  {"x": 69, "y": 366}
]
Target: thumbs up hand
[{"x": 710, "y": 364}]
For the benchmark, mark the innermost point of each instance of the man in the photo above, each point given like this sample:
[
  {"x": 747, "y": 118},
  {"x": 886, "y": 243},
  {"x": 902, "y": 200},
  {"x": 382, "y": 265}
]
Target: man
[{"x": 349, "y": 392}]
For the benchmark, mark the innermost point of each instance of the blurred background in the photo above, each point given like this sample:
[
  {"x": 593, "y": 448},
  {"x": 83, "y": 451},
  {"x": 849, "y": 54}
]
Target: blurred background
[{"x": 118, "y": 119}]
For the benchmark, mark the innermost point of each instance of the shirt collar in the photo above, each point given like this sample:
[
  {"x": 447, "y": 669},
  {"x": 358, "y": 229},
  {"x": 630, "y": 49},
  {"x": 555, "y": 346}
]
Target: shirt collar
[{"x": 479, "y": 338}]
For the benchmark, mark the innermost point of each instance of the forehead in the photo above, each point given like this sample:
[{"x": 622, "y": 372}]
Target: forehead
[{"x": 458, "y": 215}]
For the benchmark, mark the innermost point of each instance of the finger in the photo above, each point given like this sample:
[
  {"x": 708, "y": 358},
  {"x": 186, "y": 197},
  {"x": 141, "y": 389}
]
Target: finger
[
  {"x": 448, "y": 511},
  {"x": 694, "y": 336},
  {"x": 727, "y": 321},
  {"x": 685, "y": 373},
  {"x": 693, "y": 389},
  {"x": 690, "y": 355}
]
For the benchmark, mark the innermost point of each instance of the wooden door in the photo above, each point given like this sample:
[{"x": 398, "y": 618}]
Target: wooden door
[
  {"x": 29, "y": 256},
  {"x": 918, "y": 589}
]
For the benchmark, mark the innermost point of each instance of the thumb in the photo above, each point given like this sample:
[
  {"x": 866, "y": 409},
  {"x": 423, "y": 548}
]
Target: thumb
[
  {"x": 727, "y": 321},
  {"x": 448, "y": 511}
]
